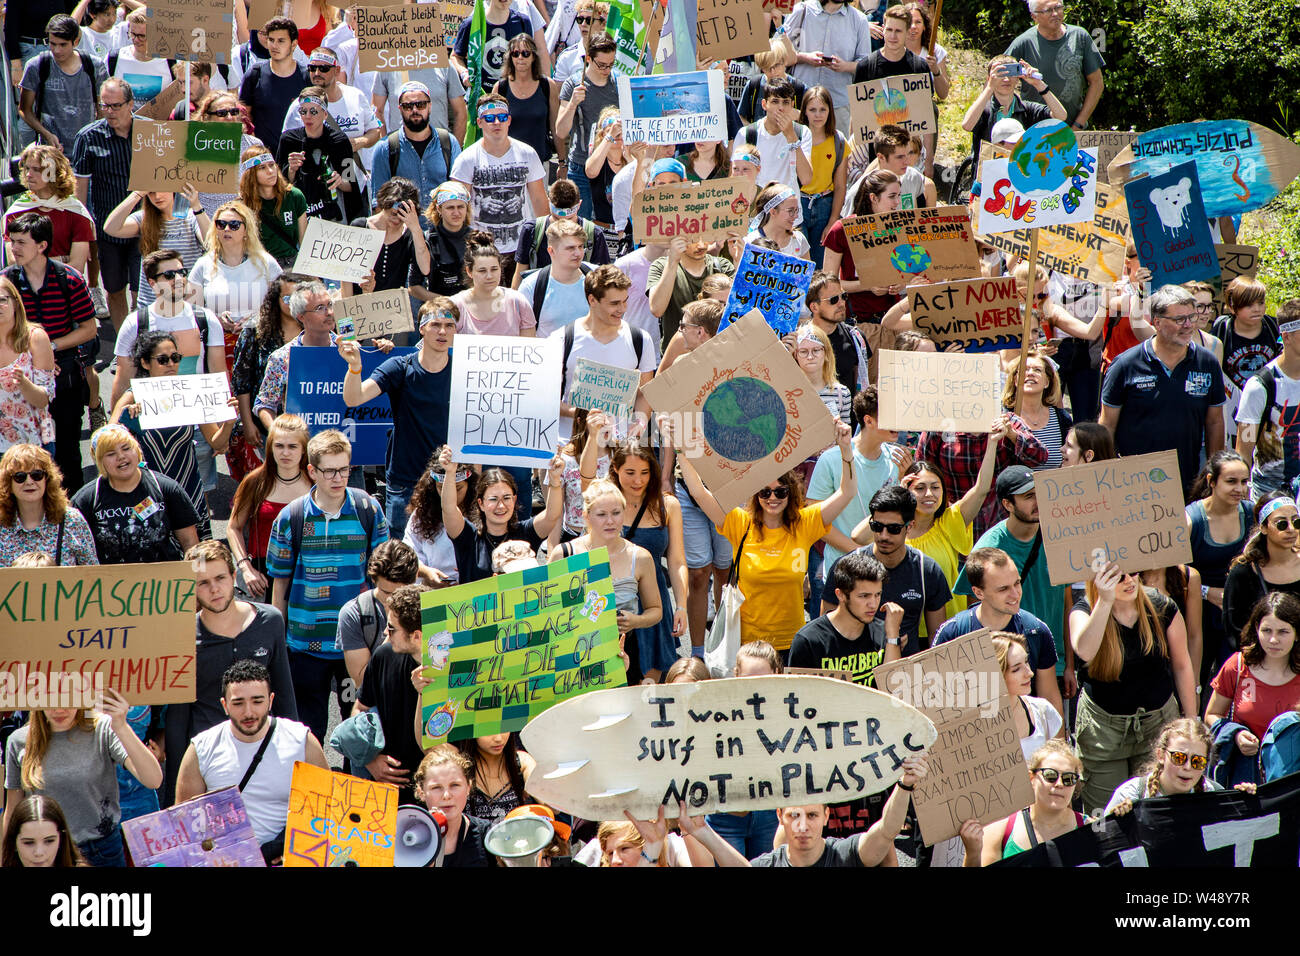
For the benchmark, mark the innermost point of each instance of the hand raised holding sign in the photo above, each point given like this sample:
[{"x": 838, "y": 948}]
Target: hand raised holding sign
[{"x": 350, "y": 350}]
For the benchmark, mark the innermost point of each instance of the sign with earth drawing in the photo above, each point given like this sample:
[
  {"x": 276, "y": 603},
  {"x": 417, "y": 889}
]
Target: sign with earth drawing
[
  {"x": 914, "y": 245},
  {"x": 742, "y": 410},
  {"x": 1046, "y": 181}
]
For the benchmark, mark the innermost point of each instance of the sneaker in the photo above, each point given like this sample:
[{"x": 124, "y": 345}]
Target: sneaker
[
  {"x": 539, "y": 499},
  {"x": 100, "y": 299},
  {"x": 98, "y": 417}
]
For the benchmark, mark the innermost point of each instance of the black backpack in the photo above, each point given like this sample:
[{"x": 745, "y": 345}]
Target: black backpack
[
  {"x": 44, "y": 63},
  {"x": 395, "y": 150}
]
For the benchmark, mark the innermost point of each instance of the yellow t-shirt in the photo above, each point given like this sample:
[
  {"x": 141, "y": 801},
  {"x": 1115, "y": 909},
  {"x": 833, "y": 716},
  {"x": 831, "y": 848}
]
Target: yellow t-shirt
[
  {"x": 772, "y": 569},
  {"x": 823, "y": 167},
  {"x": 947, "y": 539}
]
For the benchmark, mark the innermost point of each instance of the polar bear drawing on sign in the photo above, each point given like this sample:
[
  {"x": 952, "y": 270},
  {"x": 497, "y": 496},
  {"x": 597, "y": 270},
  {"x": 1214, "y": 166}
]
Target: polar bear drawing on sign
[{"x": 1171, "y": 204}]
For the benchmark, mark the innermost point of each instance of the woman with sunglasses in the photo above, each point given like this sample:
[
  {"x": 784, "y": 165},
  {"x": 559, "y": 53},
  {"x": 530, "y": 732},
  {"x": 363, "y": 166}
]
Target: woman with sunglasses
[
  {"x": 163, "y": 222},
  {"x": 318, "y": 160},
  {"x": 281, "y": 209},
  {"x": 448, "y": 214},
  {"x": 1040, "y": 406},
  {"x": 27, "y": 375},
  {"x": 607, "y": 166},
  {"x": 1177, "y": 766},
  {"x": 1054, "y": 773},
  {"x": 223, "y": 106},
  {"x": 425, "y": 532},
  {"x": 534, "y": 99},
  {"x": 404, "y": 257},
  {"x": 274, "y": 328},
  {"x": 1269, "y": 562},
  {"x": 35, "y": 514}
]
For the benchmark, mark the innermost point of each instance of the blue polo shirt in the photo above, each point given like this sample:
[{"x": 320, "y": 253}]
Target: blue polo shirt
[
  {"x": 1163, "y": 408},
  {"x": 1038, "y": 636}
]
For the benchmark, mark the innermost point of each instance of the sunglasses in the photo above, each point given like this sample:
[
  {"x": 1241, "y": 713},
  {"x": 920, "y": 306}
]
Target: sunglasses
[
  {"x": 171, "y": 358},
  {"x": 309, "y": 111},
  {"x": 318, "y": 68},
  {"x": 1196, "y": 762},
  {"x": 1281, "y": 524},
  {"x": 414, "y": 105},
  {"x": 1069, "y": 778},
  {"x": 231, "y": 224},
  {"x": 226, "y": 114},
  {"x": 521, "y": 54},
  {"x": 780, "y": 494},
  {"x": 1040, "y": 296},
  {"x": 893, "y": 527},
  {"x": 582, "y": 19},
  {"x": 37, "y": 474},
  {"x": 170, "y": 274},
  {"x": 494, "y": 118},
  {"x": 832, "y": 299}
]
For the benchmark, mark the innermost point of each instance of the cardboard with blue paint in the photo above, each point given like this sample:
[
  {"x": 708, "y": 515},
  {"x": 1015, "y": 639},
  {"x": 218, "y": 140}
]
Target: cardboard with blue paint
[
  {"x": 773, "y": 283},
  {"x": 1168, "y": 225}
]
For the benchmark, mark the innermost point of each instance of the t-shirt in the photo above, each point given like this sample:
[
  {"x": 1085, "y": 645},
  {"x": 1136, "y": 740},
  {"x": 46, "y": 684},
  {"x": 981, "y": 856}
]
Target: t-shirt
[
  {"x": 474, "y": 548},
  {"x": 636, "y": 267},
  {"x": 1255, "y": 703},
  {"x": 239, "y": 289},
  {"x": 420, "y": 402},
  {"x": 1039, "y": 596},
  {"x": 1137, "y": 788},
  {"x": 871, "y": 474},
  {"x": 619, "y": 352},
  {"x": 470, "y": 850},
  {"x": 186, "y": 329},
  {"x": 362, "y": 623},
  {"x": 79, "y": 771},
  {"x": 1064, "y": 63},
  {"x": 68, "y": 103},
  {"x": 819, "y": 643},
  {"x": 876, "y": 65},
  {"x": 180, "y": 235},
  {"x": 839, "y": 851},
  {"x": 778, "y": 155},
  {"x": 587, "y": 113},
  {"x": 686, "y": 288},
  {"x": 564, "y": 302},
  {"x": 1277, "y": 458},
  {"x": 864, "y": 305},
  {"x": 261, "y": 641},
  {"x": 387, "y": 688},
  {"x": 499, "y": 188},
  {"x": 916, "y": 585},
  {"x": 1242, "y": 358},
  {"x": 67, "y": 226},
  {"x": 1146, "y": 681},
  {"x": 513, "y": 316},
  {"x": 102, "y": 44},
  {"x": 279, "y": 227},
  {"x": 332, "y": 151},
  {"x": 495, "y": 45},
  {"x": 947, "y": 539},
  {"x": 1038, "y": 636},
  {"x": 129, "y": 526},
  {"x": 268, "y": 97},
  {"x": 147, "y": 77},
  {"x": 352, "y": 111}
]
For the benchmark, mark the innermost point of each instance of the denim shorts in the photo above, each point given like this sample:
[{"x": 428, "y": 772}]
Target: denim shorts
[{"x": 704, "y": 545}]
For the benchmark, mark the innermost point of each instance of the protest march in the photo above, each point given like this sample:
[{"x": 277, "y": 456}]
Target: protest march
[{"x": 592, "y": 433}]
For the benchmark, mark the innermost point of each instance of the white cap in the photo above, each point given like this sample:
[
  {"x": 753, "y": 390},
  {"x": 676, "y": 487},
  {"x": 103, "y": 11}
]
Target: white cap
[{"x": 1007, "y": 131}]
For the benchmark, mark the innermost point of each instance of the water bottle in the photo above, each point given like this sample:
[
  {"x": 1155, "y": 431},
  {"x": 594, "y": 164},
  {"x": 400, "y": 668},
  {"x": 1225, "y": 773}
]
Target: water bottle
[{"x": 180, "y": 206}]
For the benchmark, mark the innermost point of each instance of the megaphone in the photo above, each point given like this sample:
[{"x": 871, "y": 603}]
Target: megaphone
[
  {"x": 517, "y": 841},
  {"x": 419, "y": 836}
]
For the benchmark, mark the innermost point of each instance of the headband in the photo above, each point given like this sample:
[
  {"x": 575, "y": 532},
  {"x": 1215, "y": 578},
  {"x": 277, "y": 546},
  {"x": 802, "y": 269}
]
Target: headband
[
  {"x": 322, "y": 58},
  {"x": 450, "y": 192},
  {"x": 493, "y": 106},
  {"x": 312, "y": 99},
  {"x": 561, "y": 213},
  {"x": 1273, "y": 505},
  {"x": 667, "y": 165},
  {"x": 747, "y": 154},
  {"x": 785, "y": 193},
  {"x": 805, "y": 332},
  {"x": 431, "y": 315},
  {"x": 412, "y": 86},
  {"x": 1292, "y": 326},
  {"x": 261, "y": 159}
]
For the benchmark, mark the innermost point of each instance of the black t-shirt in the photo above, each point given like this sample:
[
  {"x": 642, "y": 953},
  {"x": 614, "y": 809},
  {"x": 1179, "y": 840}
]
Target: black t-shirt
[
  {"x": 1243, "y": 357},
  {"x": 917, "y": 584},
  {"x": 447, "y": 262},
  {"x": 1146, "y": 681},
  {"x": 387, "y": 689},
  {"x": 846, "y": 357},
  {"x": 268, "y": 97},
  {"x": 262, "y": 641},
  {"x": 331, "y": 149},
  {"x": 474, "y": 548},
  {"x": 136, "y": 527},
  {"x": 874, "y": 66},
  {"x": 820, "y": 644},
  {"x": 470, "y": 850},
  {"x": 839, "y": 852},
  {"x": 396, "y": 260}
]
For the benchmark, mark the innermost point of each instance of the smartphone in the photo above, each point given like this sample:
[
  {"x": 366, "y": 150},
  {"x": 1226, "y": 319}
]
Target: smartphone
[
  {"x": 827, "y": 58},
  {"x": 345, "y": 328},
  {"x": 1010, "y": 69}
]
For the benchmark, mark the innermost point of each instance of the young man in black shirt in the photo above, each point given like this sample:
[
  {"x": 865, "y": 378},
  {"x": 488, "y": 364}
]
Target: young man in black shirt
[
  {"x": 268, "y": 88},
  {"x": 849, "y": 638},
  {"x": 893, "y": 58}
]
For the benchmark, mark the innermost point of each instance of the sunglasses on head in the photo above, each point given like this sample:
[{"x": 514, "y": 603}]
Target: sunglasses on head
[
  {"x": 893, "y": 527},
  {"x": 1179, "y": 758},
  {"x": 172, "y": 358},
  {"x": 1069, "y": 778},
  {"x": 779, "y": 493},
  {"x": 36, "y": 474}
]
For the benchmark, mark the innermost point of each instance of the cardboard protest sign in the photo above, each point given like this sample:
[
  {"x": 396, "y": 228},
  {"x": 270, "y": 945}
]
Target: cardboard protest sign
[
  {"x": 977, "y": 766},
  {"x": 160, "y": 107},
  {"x": 197, "y": 30},
  {"x": 314, "y": 391},
  {"x": 748, "y": 743},
  {"x": 403, "y": 37},
  {"x": 939, "y": 391},
  {"x": 897, "y": 248},
  {"x": 1234, "y": 260},
  {"x": 1127, "y": 510},
  {"x": 981, "y": 314},
  {"x": 209, "y": 831},
  {"x": 339, "y": 820},
  {"x": 1241, "y": 166},
  {"x": 505, "y": 400},
  {"x": 183, "y": 400},
  {"x": 698, "y": 212},
  {"x": 1046, "y": 181},
  {"x": 906, "y": 100},
  {"x": 332, "y": 250},
  {"x": 377, "y": 314},
  {"x": 770, "y": 283},
  {"x": 779, "y": 6},
  {"x": 504, "y": 649},
  {"x": 129, "y": 625},
  {"x": 729, "y": 28},
  {"x": 745, "y": 411},
  {"x": 165, "y": 156},
  {"x": 1169, "y": 227},
  {"x": 605, "y": 388},
  {"x": 1089, "y": 252},
  {"x": 452, "y": 15},
  {"x": 670, "y": 108},
  {"x": 1108, "y": 143}
]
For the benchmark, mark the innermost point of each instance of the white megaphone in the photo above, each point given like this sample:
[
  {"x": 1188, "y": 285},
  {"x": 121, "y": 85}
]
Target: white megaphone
[
  {"x": 419, "y": 837},
  {"x": 518, "y": 840}
]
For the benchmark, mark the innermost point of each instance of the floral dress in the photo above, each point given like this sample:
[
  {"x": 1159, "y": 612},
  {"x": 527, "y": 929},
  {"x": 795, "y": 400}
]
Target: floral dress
[{"x": 21, "y": 422}]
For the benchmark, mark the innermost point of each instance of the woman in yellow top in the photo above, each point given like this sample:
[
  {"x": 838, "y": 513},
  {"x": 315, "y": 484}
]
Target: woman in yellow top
[
  {"x": 771, "y": 537},
  {"x": 824, "y": 193}
]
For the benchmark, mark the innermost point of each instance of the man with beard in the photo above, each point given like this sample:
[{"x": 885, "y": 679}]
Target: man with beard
[
  {"x": 414, "y": 160},
  {"x": 252, "y": 751},
  {"x": 828, "y": 306}
]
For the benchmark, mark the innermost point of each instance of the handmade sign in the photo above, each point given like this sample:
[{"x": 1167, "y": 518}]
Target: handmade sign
[
  {"x": 259, "y": 11},
  {"x": 1234, "y": 261},
  {"x": 160, "y": 107},
  {"x": 1126, "y": 510},
  {"x": 1092, "y": 253},
  {"x": 779, "y": 6},
  {"x": 1169, "y": 227},
  {"x": 504, "y": 649},
  {"x": 897, "y": 248},
  {"x": 1046, "y": 181},
  {"x": 183, "y": 400},
  {"x": 130, "y": 624},
  {"x": 165, "y": 156},
  {"x": 741, "y": 743},
  {"x": 209, "y": 831},
  {"x": 729, "y": 28},
  {"x": 605, "y": 388},
  {"x": 698, "y": 212},
  {"x": 939, "y": 391},
  {"x": 977, "y": 766},
  {"x": 198, "y": 30},
  {"x": 403, "y": 37},
  {"x": 906, "y": 100},
  {"x": 983, "y": 315},
  {"x": 1241, "y": 166},
  {"x": 332, "y": 250},
  {"x": 314, "y": 391},
  {"x": 377, "y": 314},
  {"x": 452, "y": 15},
  {"x": 742, "y": 409},
  {"x": 770, "y": 283},
  {"x": 338, "y": 820},
  {"x": 671, "y": 108},
  {"x": 505, "y": 400},
  {"x": 1108, "y": 143}
]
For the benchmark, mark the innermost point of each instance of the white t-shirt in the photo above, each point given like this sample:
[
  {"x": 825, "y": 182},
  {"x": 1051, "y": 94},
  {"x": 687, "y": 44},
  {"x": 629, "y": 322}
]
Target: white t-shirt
[
  {"x": 239, "y": 289},
  {"x": 797, "y": 246},
  {"x": 223, "y": 761},
  {"x": 636, "y": 266},
  {"x": 146, "y": 79},
  {"x": 1047, "y": 722},
  {"x": 569, "y": 63},
  {"x": 620, "y": 192},
  {"x": 619, "y": 352},
  {"x": 353, "y": 111},
  {"x": 102, "y": 44},
  {"x": 1269, "y": 476},
  {"x": 564, "y": 302},
  {"x": 439, "y": 554},
  {"x": 499, "y": 188},
  {"x": 778, "y": 156},
  {"x": 185, "y": 327}
]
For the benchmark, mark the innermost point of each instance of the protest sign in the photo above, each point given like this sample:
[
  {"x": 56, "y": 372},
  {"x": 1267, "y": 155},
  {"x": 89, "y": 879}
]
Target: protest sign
[
  {"x": 183, "y": 400},
  {"x": 339, "y": 820},
  {"x": 314, "y": 391},
  {"x": 131, "y": 625},
  {"x": 897, "y": 248},
  {"x": 1127, "y": 510},
  {"x": 779, "y": 6},
  {"x": 671, "y": 108},
  {"x": 1234, "y": 260},
  {"x": 1169, "y": 227},
  {"x": 332, "y": 250},
  {"x": 983, "y": 315},
  {"x": 906, "y": 100},
  {"x": 161, "y": 106},
  {"x": 208, "y": 831},
  {"x": 605, "y": 388},
  {"x": 377, "y": 314},
  {"x": 1241, "y": 166},
  {"x": 505, "y": 401},
  {"x": 197, "y": 30},
  {"x": 1088, "y": 252},
  {"x": 770, "y": 283},
  {"x": 259, "y": 11},
  {"x": 939, "y": 391},
  {"x": 1108, "y": 143},
  {"x": 698, "y": 212},
  {"x": 504, "y": 649},
  {"x": 1046, "y": 181},
  {"x": 743, "y": 410},
  {"x": 818, "y": 672},
  {"x": 977, "y": 766},
  {"x": 453, "y": 14},
  {"x": 404, "y": 37},
  {"x": 729, "y": 28},
  {"x": 748, "y": 743},
  {"x": 165, "y": 156}
]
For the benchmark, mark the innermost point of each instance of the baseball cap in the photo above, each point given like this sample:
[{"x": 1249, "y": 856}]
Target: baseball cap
[
  {"x": 1015, "y": 480},
  {"x": 1006, "y": 131}
]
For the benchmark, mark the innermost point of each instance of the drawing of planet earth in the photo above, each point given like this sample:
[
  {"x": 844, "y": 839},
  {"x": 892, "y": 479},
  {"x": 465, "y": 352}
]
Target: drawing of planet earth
[
  {"x": 744, "y": 419},
  {"x": 910, "y": 259},
  {"x": 1039, "y": 160},
  {"x": 890, "y": 107}
]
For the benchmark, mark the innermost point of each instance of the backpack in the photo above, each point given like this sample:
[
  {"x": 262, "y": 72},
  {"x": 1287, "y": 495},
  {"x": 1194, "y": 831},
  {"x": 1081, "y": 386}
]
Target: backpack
[
  {"x": 638, "y": 346},
  {"x": 365, "y": 506},
  {"x": 200, "y": 314},
  {"x": 539, "y": 236},
  {"x": 750, "y": 133},
  {"x": 539, "y": 292},
  {"x": 44, "y": 63},
  {"x": 1279, "y": 751},
  {"x": 395, "y": 150}
]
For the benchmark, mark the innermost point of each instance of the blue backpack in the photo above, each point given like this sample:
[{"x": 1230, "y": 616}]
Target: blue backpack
[{"x": 1279, "y": 751}]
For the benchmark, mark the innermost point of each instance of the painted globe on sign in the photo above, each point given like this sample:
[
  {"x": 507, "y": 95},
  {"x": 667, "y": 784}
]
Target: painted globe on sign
[
  {"x": 744, "y": 419},
  {"x": 1039, "y": 160},
  {"x": 910, "y": 259}
]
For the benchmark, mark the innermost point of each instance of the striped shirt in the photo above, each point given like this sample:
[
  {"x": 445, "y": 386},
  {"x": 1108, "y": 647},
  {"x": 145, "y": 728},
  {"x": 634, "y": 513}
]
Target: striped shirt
[
  {"x": 56, "y": 312},
  {"x": 103, "y": 157},
  {"x": 1050, "y": 436}
]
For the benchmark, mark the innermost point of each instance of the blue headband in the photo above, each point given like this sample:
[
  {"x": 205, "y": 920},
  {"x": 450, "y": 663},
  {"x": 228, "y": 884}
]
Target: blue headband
[
  {"x": 1273, "y": 505},
  {"x": 667, "y": 165}
]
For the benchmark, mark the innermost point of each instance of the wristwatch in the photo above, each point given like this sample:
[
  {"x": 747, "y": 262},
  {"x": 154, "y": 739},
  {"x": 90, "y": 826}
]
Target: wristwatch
[{"x": 893, "y": 641}]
